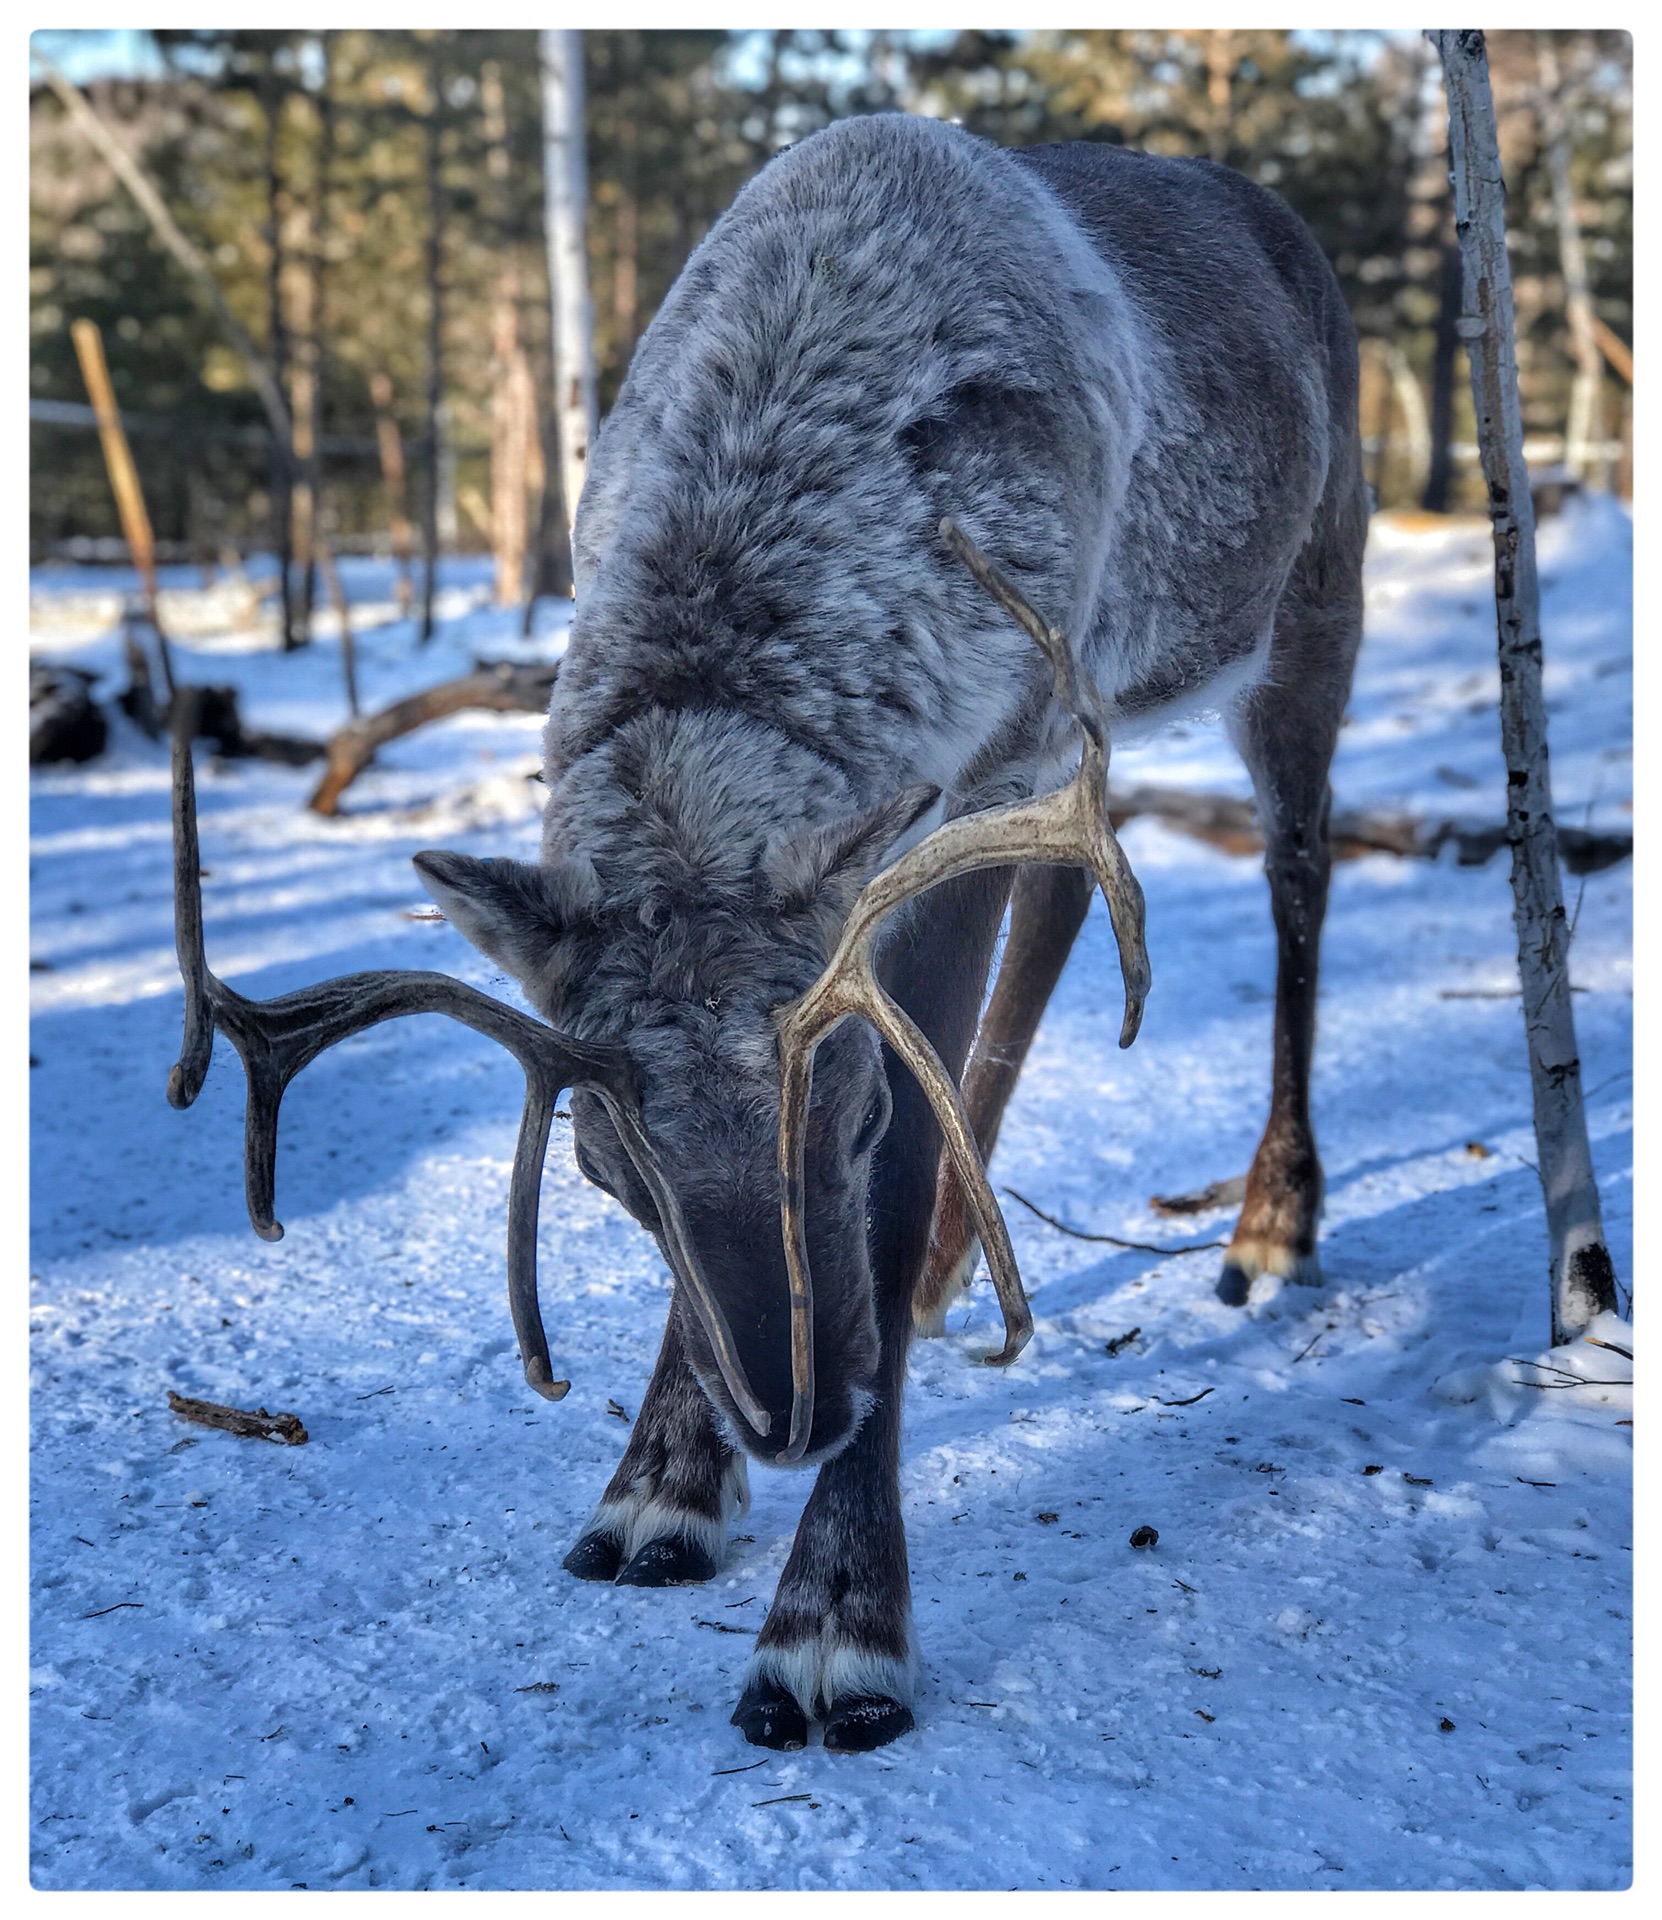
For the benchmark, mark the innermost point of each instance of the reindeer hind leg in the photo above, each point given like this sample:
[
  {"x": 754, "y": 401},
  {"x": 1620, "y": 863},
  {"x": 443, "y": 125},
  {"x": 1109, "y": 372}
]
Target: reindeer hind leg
[
  {"x": 1286, "y": 730},
  {"x": 1047, "y": 909}
]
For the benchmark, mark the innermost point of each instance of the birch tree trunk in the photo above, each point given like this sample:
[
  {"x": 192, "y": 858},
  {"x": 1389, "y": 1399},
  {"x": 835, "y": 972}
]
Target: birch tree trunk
[
  {"x": 1583, "y": 1280},
  {"x": 565, "y": 168}
]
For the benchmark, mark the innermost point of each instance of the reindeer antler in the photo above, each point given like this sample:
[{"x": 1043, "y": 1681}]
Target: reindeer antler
[
  {"x": 1069, "y": 827},
  {"x": 278, "y": 1038}
]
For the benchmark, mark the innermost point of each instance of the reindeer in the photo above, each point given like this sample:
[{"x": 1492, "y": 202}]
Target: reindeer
[{"x": 912, "y": 399}]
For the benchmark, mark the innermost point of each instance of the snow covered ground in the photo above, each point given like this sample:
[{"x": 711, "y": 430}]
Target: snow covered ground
[{"x": 1383, "y": 1640}]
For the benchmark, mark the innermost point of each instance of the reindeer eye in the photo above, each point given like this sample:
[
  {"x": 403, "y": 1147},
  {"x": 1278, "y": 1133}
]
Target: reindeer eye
[
  {"x": 871, "y": 1126},
  {"x": 590, "y": 1172}
]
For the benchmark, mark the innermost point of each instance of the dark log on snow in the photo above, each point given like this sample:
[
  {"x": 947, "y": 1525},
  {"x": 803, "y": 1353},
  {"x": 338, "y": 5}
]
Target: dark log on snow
[
  {"x": 497, "y": 687},
  {"x": 65, "y": 722},
  {"x": 1233, "y": 825},
  {"x": 211, "y": 713}
]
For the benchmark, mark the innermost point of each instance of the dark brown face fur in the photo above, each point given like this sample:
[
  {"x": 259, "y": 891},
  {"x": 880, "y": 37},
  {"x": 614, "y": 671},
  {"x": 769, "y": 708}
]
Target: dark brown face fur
[{"x": 717, "y": 1146}]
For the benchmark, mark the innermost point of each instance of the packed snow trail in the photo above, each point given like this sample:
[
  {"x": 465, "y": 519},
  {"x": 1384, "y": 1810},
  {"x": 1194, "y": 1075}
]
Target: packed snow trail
[{"x": 1383, "y": 1639}]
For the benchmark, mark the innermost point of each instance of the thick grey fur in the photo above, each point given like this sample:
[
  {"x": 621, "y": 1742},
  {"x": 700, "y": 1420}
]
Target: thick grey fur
[{"x": 1132, "y": 380}]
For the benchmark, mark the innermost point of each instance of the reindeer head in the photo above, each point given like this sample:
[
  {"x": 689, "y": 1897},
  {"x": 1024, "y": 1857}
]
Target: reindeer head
[
  {"x": 686, "y": 980},
  {"x": 698, "y": 905}
]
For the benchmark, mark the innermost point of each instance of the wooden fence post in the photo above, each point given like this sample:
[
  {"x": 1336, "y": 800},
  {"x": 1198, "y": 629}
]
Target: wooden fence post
[{"x": 124, "y": 480}]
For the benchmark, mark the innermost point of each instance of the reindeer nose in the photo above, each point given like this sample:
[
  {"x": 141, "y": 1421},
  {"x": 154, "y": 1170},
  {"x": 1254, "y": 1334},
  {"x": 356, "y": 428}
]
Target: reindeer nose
[{"x": 838, "y": 1415}]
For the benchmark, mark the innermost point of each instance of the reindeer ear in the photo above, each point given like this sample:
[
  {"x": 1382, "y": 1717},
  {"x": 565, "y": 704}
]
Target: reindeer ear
[
  {"x": 825, "y": 869},
  {"x": 506, "y": 908}
]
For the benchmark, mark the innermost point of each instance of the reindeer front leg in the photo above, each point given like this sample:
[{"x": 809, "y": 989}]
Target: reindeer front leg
[
  {"x": 662, "y": 1521},
  {"x": 1286, "y": 731},
  {"x": 838, "y": 1643}
]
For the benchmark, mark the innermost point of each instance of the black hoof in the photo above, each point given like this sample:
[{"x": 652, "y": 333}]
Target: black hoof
[
  {"x": 873, "y": 1720},
  {"x": 768, "y": 1716},
  {"x": 597, "y": 1556},
  {"x": 1233, "y": 1286},
  {"x": 673, "y": 1561}
]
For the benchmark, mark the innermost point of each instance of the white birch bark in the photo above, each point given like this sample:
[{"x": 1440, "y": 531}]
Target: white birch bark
[
  {"x": 565, "y": 169},
  {"x": 1583, "y": 1280}
]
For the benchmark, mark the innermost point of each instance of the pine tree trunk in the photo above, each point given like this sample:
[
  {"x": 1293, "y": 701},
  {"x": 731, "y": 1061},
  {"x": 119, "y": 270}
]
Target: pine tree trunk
[
  {"x": 1584, "y": 429},
  {"x": 1582, "y": 1278},
  {"x": 512, "y": 410},
  {"x": 282, "y": 458},
  {"x": 312, "y": 331},
  {"x": 566, "y": 175},
  {"x": 1440, "y": 471},
  {"x": 391, "y": 448},
  {"x": 435, "y": 350},
  {"x": 303, "y": 411}
]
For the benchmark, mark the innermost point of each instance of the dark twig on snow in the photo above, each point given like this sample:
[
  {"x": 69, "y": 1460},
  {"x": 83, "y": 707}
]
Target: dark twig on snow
[
  {"x": 1609, "y": 1346},
  {"x": 1563, "y": 1386},
  {"x": 1566, "y": 1378},
  {"x": 285, "y": 1428},
  {"x": 1109, "y": 1239}
]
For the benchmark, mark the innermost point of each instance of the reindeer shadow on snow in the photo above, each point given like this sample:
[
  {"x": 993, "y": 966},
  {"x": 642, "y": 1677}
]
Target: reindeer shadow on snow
[{"x": 910, "y": 391}]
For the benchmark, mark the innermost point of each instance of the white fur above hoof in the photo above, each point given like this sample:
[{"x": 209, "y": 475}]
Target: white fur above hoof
[
  {"x": 819, "y": 1673},
  {"x": 1249, "y": 1259},
  {"x": 641, "y": 1519}
]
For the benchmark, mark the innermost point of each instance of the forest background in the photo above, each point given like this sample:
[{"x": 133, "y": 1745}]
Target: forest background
[{"x": 372, "y": 203}]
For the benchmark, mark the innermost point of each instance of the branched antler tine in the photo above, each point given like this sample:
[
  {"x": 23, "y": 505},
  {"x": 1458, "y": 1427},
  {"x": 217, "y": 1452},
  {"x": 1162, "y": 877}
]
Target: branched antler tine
[
  {"x": 542, "y": 1089},
  {"x": 184, "y": 1083},
  {"x": 1121, "y": 889},
  {"x": 277, "y": 1038},
  {"x": 1099, "y": 847},
  {"x": 683, "y": 1256},
  {"x": 1069, "y": 827},
  {"x": 1050, "y": 643},
  {"x": 926, "y": 1067},
  {"x": 797, "y": 1045}
]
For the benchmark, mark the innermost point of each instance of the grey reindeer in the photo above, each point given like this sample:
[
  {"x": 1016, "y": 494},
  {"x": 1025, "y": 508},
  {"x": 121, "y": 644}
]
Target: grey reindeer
[{"x": 813, "y": 735}]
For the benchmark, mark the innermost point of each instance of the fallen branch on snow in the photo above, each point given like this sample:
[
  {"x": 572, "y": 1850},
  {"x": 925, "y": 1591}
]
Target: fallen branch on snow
[
  {"x": 497, "y": 686},
  {"x": 284, "y": 1428},
  {"x": 1233, "y": 825}
]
